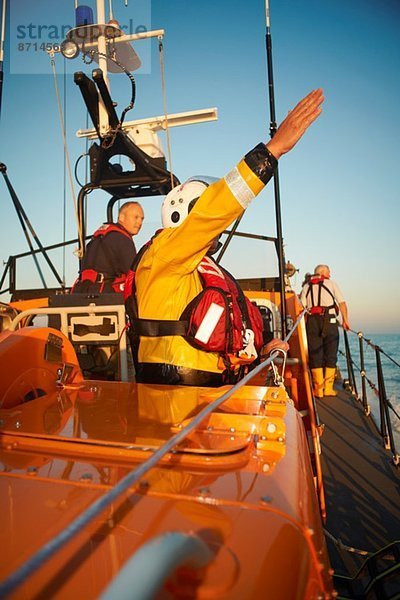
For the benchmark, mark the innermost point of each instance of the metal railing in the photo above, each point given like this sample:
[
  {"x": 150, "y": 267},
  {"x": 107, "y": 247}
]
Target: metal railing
[
  {"x": 384, "y": 425},
  {"x": 10, "y": 267}
]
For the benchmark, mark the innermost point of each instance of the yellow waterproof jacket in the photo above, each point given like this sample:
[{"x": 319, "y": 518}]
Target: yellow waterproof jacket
[{"x": 167, "y": 278}]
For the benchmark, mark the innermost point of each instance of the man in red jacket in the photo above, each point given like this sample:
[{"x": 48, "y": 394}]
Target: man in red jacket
[{"x": 110, "y": 253}]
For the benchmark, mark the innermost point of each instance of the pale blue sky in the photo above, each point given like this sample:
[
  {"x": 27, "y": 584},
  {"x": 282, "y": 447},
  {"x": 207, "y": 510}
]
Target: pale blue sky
[{"x": 339, "y": 187}]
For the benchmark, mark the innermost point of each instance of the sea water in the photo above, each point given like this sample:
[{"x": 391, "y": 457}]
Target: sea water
[{"x": 390, "y": 344}]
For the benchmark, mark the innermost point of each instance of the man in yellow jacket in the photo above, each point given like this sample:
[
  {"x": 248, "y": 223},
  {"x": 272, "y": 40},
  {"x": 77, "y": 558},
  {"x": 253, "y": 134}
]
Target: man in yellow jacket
[{"x": 194, "y": 215}]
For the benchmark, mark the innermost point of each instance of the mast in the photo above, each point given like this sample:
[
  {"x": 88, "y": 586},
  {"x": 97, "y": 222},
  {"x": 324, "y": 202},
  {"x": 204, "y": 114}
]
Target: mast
[
  {"x": 101, "y": 19},
  {"x": 2, "y": 42},
  {"x": 272, "y": 131}
]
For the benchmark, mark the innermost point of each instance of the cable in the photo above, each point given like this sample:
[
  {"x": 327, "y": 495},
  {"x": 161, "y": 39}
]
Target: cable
[
  {"x": 162, "y": 68},
  {"x": 68, "y": 162},
  {"x": 76, "y": 168},
  {"x": 375, "y": 346},
  {"x": 371, "y": 384},
  {"x": 90, "y": 54},
  {"x": 387, "y": 356}
]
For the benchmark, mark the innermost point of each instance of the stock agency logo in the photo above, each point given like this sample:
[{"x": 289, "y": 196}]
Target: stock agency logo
[
  {"x": 35, "y": 39},
  {"x": 39, "y": 32}
]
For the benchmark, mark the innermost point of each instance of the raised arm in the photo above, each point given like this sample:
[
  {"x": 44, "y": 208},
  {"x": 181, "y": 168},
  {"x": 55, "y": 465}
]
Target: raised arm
[{"x": 296, "y": 123}]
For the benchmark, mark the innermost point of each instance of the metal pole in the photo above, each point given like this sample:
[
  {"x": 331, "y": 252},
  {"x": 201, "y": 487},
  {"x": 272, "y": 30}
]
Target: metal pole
[
  {"x": 20, "y": 215},
  {"x": 272, "y": 131},
  {"x": 102, "y": 48},
  {"x": 25, "y": 224},
  {"x": 110, "y": 10},
  {"x": 386, "y": 425},
  {"x": 228, "y": 239},
  {"x": 3, "y": 277},
  {"x": 2, "y": 41},
  {"x": 380, "y": 393},
  {"x": 350, "y": 370},
  {"x": 367, "y": 409}
]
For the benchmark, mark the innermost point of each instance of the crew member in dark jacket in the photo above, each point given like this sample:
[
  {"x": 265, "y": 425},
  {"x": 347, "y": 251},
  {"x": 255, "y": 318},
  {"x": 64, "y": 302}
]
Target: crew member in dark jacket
[{"x": 110, "y": 253}]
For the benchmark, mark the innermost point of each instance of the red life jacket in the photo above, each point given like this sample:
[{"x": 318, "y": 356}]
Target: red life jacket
[
  {"x": 96, "y": 277},
  {"x": 317, "y": 308},
  {"x": 107, "y": 228},
  {"x": 219, "y": 319}
]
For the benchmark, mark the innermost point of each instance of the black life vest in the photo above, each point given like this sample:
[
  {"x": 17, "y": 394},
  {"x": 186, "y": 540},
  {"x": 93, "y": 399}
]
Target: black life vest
[
  {"x": 317, "y": 308},
  {"x": 118, "y": 281},
  {"x": 219, "y": 319}
]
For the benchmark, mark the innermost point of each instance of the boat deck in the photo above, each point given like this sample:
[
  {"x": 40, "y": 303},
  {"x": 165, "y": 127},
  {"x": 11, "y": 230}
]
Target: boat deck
[{"x": 361, "y": 483}]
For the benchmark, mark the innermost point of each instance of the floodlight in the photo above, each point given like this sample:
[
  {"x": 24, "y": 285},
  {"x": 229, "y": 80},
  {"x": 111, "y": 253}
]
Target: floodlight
[{"x": 69, "y": 49}]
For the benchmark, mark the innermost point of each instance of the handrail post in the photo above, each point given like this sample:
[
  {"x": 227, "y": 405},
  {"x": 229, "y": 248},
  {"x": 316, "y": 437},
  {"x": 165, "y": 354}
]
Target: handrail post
[
  {"x": 13, "y": 274},
  {"x": 350, "y": 370},
  {"x": 7, "y": 268},
  {"x": 386, "y": 425},
  {"x": 366, "y": 406},
  {"x": 381, "y": 393}
]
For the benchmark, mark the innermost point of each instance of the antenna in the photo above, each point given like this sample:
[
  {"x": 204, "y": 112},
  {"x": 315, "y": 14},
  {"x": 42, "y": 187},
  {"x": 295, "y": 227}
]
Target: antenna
[
  {"x": 110, "y": 10},
  {"x": 272, "y": 131}
]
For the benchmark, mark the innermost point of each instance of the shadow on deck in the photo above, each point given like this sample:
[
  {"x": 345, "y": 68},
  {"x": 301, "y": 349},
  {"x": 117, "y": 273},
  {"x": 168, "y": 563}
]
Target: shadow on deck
[{"x": 362, "y": 485}]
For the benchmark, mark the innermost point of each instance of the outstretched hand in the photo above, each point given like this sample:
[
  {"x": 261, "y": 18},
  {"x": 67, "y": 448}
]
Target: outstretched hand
[
  {"x": 345, "y": 325},
  {"x": 296, "y": 123}
]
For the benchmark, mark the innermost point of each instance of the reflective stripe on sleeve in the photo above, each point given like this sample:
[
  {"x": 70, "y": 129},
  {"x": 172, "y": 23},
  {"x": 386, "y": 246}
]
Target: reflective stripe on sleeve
[{"x": 239, "y": 188}]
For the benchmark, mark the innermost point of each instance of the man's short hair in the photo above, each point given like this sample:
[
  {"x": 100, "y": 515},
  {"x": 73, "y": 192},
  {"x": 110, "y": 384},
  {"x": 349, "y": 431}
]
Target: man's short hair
[
  {"x": 320, "y": 269},
  {"x": 127, "y": 205}
]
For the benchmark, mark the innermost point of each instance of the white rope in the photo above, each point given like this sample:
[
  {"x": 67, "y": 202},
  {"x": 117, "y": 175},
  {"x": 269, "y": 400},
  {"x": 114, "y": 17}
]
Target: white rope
[
  {"x": 162, "y": 68},
  {"x": 70, "y": 177}
]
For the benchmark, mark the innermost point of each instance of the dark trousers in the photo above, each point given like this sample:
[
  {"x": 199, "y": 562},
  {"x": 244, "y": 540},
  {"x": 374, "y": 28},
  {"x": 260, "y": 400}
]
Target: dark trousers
[{"x": 323, "y": 342}]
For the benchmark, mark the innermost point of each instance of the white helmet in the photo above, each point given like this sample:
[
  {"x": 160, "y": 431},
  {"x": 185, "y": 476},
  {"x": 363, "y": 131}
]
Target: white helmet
[{"x": 180, "y": 200}]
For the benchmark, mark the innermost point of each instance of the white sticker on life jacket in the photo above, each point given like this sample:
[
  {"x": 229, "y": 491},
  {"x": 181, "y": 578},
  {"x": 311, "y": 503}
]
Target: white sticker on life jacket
[
  {"x": 248, "y": 342},
  {"x": 209, "y": 323},
  {"x": 239, "y": 188}
]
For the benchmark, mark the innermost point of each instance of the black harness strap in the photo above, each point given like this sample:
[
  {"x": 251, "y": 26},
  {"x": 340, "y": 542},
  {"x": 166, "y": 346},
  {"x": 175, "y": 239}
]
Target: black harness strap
[
  {"x": 158, "y": 328},
  {"x": 320, "y": 286}
]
